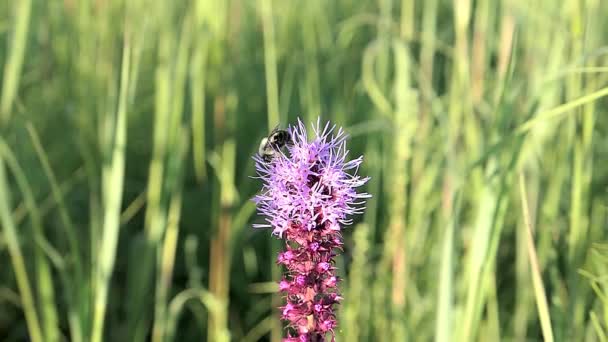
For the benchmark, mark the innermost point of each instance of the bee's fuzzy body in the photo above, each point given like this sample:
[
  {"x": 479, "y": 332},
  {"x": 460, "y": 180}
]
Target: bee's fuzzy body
[{"x": 273, "y": 143}]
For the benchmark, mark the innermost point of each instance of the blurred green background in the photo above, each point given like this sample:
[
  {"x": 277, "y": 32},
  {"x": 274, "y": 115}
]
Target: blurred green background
[{"x": 127, "y": 130}]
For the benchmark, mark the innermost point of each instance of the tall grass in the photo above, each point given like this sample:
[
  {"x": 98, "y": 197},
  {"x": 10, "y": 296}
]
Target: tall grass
[{"x": 127, "y": 130}]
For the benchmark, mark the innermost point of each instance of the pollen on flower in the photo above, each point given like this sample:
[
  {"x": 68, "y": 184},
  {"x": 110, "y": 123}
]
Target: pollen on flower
[{"x": 308, "y": 195}]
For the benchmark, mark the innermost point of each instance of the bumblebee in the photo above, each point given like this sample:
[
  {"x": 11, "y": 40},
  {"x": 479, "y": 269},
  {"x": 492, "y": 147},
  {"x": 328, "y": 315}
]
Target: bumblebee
[{"x": 273, "y": 143}]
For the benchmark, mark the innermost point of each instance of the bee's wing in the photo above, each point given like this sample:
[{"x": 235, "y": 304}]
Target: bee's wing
[
  {"x": 262, "y": 147},
  {"x": 275, "y": 129}
]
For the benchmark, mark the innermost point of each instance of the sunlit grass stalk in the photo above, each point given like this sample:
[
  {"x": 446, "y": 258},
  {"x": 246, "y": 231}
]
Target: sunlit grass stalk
[
  {"x": 220, "y": 254},
  {"x": 375, "y": 78},
  {"x": 166, "y": 263},
  {"x": 479, "y": 50},
  {"x": 310, "y": 88},
  {"x": 406, "y": 107},
  {"x": 408, "y": 19},
  {"x": 489, "y": 223},
  {"x": 445, "y": 297},
  {"x": 44, "y": 282},
  {"x": 112, "y": 188},
  {"x": 198, "y": 75},
  {"x": 462, "y": 17},
  {"x": 168, "y": 153},
  {"x": 12, "y": 68},
  {"x": 598, "y": 259},
  {"x": 10, "y": 83},
  {"x": 544, "y": 206},
  {"x": 155, "y": 216},
  {"x": 523, "y": 301},
  {"x": 384, "y": 36},
  {"x": 539, "y": 289},
  {"x": 582, "y": 170},
  {"x": 270, "y": 62},
  {"x": 475, "y": 260},
  {"x": 273, "y": 116},
  {"x": 601, "y": 334},
  {"x": 427, "y": 48},
  {"x": 562, "y": 109},
  {"x": 578, "y": 139},
  {"x": 505, "y": 37},
  {"x": 17, "y": 260},
  {"x": 461, "y": 85},
  {"x": 373, "y": 169},
  {"x": 223, "y": 162},
  {"x": 66, "y": 220},
  {"x": 456, "y": 114},
  {"x": 490, "y": 326},
  {"x": 355, "y": 311},
  {"x": 178, "y": 145}
]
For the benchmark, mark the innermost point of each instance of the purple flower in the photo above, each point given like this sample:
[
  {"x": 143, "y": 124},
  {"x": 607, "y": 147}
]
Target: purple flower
[{"x": 309, "y": 193}]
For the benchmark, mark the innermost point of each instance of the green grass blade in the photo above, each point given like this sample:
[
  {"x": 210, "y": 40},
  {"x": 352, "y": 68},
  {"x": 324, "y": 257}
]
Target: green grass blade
[
  {"x": 270, "y": 63},
  {"x": 112, "y": 186},
  {"x": 12, "y": 68},
  {"x": 17, "y": 260},
  {"x": 539, "y": 289},
  {"x": 445, "y": 307},
  {"x": 563, "y": 109},
  {"x": 44, "y": 283},
  {"x": 66, "y": 220}
]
